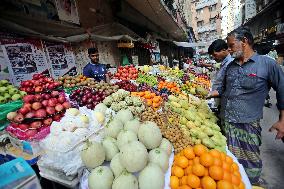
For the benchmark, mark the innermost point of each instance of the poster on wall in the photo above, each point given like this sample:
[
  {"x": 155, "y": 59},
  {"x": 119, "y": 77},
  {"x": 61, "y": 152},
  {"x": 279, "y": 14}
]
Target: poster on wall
[
  {"x": 4, "y": 70},
  {"x": 24, "y": 58},
  {"x": 61, "y": 59},
  {"x": 67, "y": 11}
]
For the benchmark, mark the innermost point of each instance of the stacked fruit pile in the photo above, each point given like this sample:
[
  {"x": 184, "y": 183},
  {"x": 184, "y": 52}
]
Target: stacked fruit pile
[
  {"x": 151, "y": 99},
  {"x": 127, "y": 85},
  {"x": 77, "y": 81},
  {"x": 87, "y": 97},
  {"x": 148, "y": 79},
  {"x": 39, "y": 84},
  {"x": 38, "y": 111},
  {"x": 126, "y": 73},
  {"x": 197, "y": 167},
  {"x": 203, "y": 80},
  {"x": 9, "y": 92},
  {"x": 170, "y": 86}
]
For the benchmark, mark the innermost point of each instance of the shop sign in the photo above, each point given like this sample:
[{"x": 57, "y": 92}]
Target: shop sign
[{"x": 125, "y": 45}]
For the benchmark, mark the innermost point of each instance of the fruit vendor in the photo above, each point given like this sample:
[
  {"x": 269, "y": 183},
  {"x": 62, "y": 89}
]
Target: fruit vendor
[
  {"x": 246, "y": 84},
  {"x": 94, "y": 69}
]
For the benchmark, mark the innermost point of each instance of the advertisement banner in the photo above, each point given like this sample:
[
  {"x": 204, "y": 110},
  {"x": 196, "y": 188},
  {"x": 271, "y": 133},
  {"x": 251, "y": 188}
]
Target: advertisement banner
[
  {"x": 24, "y": 58},
  {"x": 61, "y": 59}
]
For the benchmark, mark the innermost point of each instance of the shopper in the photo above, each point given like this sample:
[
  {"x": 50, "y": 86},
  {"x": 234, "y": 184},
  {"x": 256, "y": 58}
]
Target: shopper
[
  {"x": 94, "y": 69},
  {"x": 245, "y": 86},
  {"x": 219, "y": 51}
]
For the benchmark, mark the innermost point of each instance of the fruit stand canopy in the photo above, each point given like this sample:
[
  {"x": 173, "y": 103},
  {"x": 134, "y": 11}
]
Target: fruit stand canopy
[{"x": 62, "y": 32}]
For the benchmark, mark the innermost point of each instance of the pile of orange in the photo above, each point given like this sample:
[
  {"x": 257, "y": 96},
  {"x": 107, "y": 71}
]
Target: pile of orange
[
  {"x": 171, "y": 86},
  {"x": 197, "y": 167},
  {"x": 151, "y": 99},
  {"x": 203, "y": 82}
]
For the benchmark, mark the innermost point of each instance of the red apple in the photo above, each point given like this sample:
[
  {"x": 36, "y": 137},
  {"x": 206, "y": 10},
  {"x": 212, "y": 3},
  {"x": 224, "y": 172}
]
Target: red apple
[
  {"x": 47, "y": 121},
  {"x": 59, "y": 107},
  {"x": 38, "y": 97},
  {"x": 44, "y": 103},
  {"x": 52, "y": 102},
  {"x": 36, "y": 105},
  {"x": 57, "y": 117},
  {"x": 66, "y": 105},
  {"x": 30, "y": 114},
  {"x": 28, "y": 98},
  {"x": 23, "y": 127},
  {"x": 61, "y": 99},
  {"x": 14, "y": 125},
  {"x": 35, "y": 124},
  {"x": 54, "y": 93},
  {"x": 18, "y": 118},
  {"x": 46, "y": 96},
  {"x": 38, "y": 89},
  {"x": 28, "y": 106},
  {"x": 50, "y": 110},
  {"x": 41, "y": 113}
]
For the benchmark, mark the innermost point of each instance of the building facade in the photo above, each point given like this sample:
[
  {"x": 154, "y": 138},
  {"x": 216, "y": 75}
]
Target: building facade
[{"x": 206, "y": 22}]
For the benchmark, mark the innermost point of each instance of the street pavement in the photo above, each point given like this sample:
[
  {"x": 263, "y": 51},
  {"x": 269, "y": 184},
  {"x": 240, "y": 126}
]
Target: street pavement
[{"x": 272, "y": 151}]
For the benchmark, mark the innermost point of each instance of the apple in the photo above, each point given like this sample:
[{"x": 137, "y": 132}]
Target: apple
[
  {"x": 36, "y": 105},
  {"x": 38, "y": 97},
  {"x": 30, "y": 114},
  {"x": 50, "y": 110},
  {"x": 46, "y": 96},
  {"x": 44, "y": 103},
  {"x": 11, "y": 115},
  {"x": 41, "y": 113},
  {"x": 35, "y": 124},
  {"x": 52, "y": 102},
  {"x": 66, "y": 105},
  {"x": 38, "y": 89},
  {"x": 18, "y": 118},
  {"x": 28, "y": 106},
  {"x": 23, "y": 127},
  {"x": 28, "y": 98},
  {"x": 57, "y": 117},
  {"x": 47, "y": 121},
  {"x": 54, "y": 93},
  {"x": 61, "y": 99},
  {"x": 59, "y": 107}
]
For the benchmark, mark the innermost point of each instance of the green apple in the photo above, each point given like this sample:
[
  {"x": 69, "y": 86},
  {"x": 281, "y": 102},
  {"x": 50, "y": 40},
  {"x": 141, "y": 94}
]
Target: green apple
[
  {"x": 3, "y": 82},
  {"x": 16, "y": 97},
  {"x": 2, "y": 100},
  {"x": 13, "y": 91},
  {"x": 23, "y": 93},
  {"x": 3, "y": 89}
]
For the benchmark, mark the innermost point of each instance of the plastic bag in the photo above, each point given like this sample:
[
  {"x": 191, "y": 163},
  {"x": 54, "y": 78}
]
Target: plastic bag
[{"x": 5, "y": 109}]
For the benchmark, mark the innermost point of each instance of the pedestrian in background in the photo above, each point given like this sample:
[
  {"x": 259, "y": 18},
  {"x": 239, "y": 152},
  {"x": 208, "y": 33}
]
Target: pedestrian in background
[{"x": 246, "y": 84}]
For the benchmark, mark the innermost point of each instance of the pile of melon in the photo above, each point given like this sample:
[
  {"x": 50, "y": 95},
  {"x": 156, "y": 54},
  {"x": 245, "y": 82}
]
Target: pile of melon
[{"x": 137, "y": 152}]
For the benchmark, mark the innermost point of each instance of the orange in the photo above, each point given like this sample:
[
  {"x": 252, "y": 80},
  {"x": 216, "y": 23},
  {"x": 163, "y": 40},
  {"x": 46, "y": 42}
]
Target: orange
[
  {"x": 172, "y": 170},
  {"x": 216, "y": 172},
  {"x": 196, "y": 160},
  {"x": 206, "y": 173},
  {"x": 227, "y": 176},
  {"x": 222, "y": 184},
  {"x": 235, "y": 166},
  {"x": 237, "y": 173},
  {"x": 235, "y": 187},
  {"x": 190, "y": 162},
  {"x": 229, "y": 160},
  {"x": 178, "y": 171},
  {"x": 182, "y": 162},
  {"x": 242, "y": 185},
  {"x": 226, "y": 166},
  {"x": 206, "y": 160},
  {"x": 189, "y": 153},
  {"x": 236, "y": 180},
  {"x": 208, "y": 183},
  {"x": 156, "y": 99},
  {"x": 183, "y": 180},
  {"x": 198, "y": 170},
  {"x": 149, "y": 102},
  {"x": 174, "y": 182},
  {"x": 223, "y": 156},
  {"x": 218, "y": 162},
  {"x": 188, "y": 170},
  {"x": 185, "y": 187},
  {"x": 215, "y": 153},
  {"x": 199, "y": 149},
  {"x": 193, "y": 181}
]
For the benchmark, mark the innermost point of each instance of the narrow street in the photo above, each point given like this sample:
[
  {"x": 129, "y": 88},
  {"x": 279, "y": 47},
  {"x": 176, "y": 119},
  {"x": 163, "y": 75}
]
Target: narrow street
[{"x": 272, "y": 151}]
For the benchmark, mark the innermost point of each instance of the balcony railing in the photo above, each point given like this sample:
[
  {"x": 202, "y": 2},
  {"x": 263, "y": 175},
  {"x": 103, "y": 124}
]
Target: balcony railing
[
  {"x": 206, "y": 28},
  {"x": 205, "y": 3}
]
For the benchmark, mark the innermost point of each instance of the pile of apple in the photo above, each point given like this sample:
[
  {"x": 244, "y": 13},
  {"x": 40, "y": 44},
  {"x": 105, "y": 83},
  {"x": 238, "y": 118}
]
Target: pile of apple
[
  {"x": 39, "y": 84},
  {"x": 126, "y": 73},
  {"x": 87, "y": 97},
  {"x": 127, "y": 85},
  {"x": 38, "y": 111}
]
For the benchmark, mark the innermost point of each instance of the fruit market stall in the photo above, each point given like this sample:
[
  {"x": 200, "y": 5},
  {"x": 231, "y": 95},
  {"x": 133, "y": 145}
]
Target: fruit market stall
[{"x": 142, "y": 130}]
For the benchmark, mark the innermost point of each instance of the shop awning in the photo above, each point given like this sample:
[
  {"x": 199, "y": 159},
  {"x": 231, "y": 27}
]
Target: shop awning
[{"x": 186, "y": 44}]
